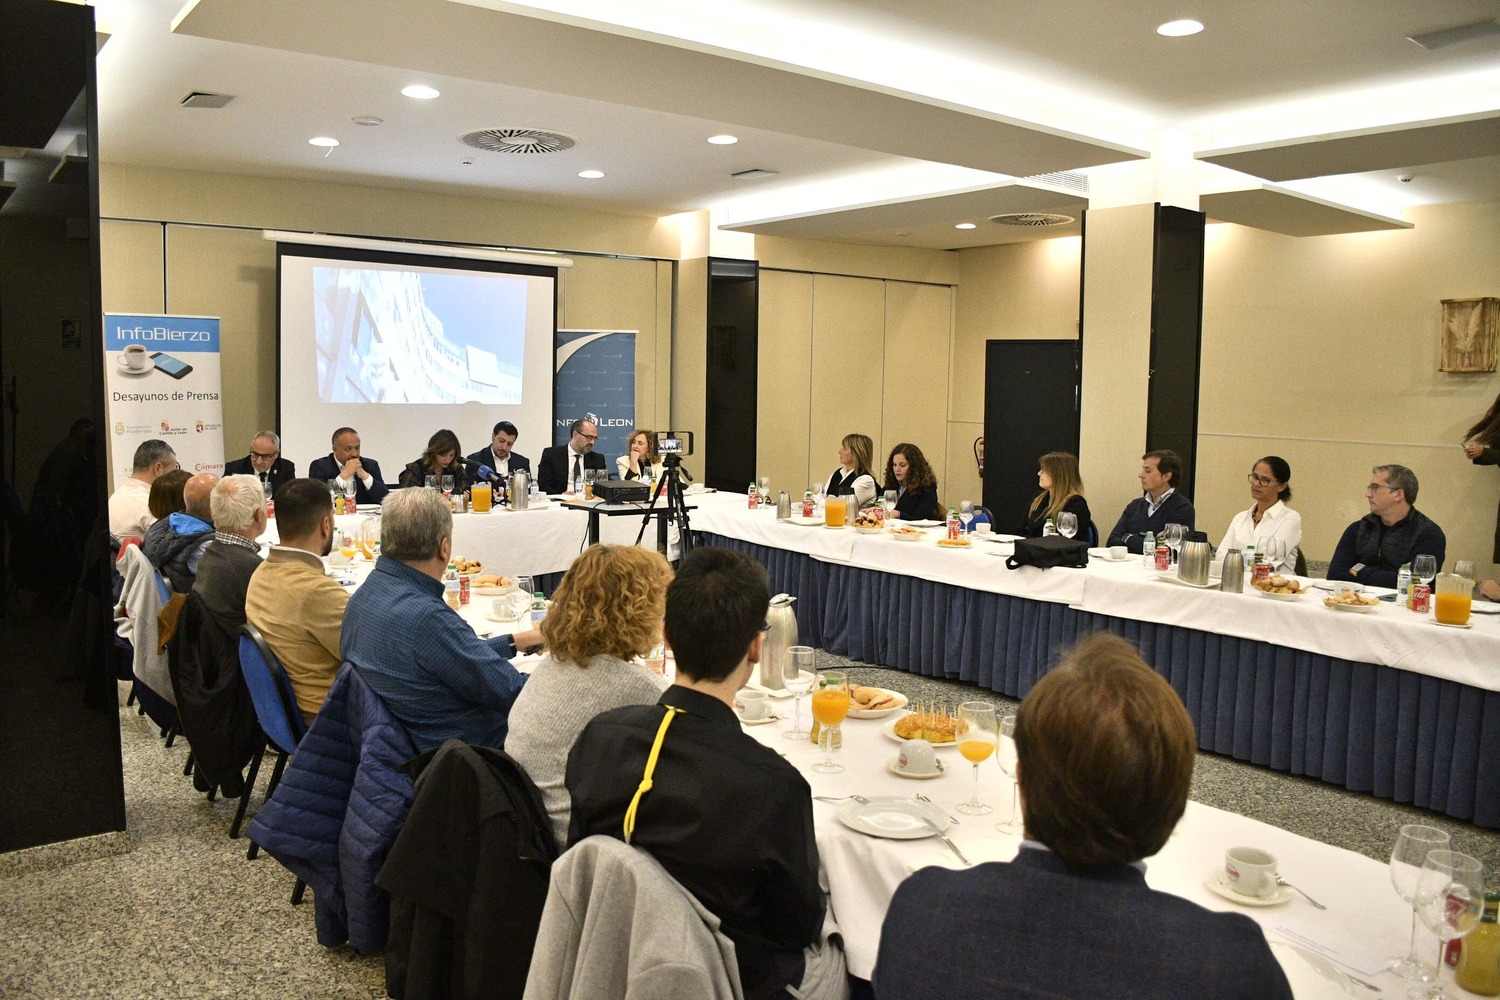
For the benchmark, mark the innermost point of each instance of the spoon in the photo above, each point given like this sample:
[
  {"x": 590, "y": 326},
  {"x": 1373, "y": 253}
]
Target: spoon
[{"x": 1282, "y": 881}]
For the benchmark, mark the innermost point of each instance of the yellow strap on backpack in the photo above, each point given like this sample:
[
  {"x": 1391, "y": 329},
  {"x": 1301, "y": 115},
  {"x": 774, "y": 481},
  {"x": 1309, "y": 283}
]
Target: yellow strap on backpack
[{"x": 645, "y": 785}]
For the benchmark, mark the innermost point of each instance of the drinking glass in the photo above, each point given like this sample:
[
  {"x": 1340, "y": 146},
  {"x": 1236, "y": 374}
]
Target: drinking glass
[
  {"x": 818, "y": 497},
  {"x": 1464, "y": 568},
  {"x": 523, "y": 584},
  {"x": 1450, "y": 901},
  {"x": 1413, "y": 844},
  {"x": 830, "y": 703},
  {"x": 369, "y": 537},
  {"x": 656, "y": 658},
  {"x": 889, "y": 501},
  {"x": 347, "y": 547},
  {"x": 1424, "y": 568},
  {"x": 1274, "y": 549},
  {"x": 447, "y": 487},
  {"x": 966, "y": 514},
  {"x": 430, "y": 482},
  {"x": 589, "y": 476},
  {"x": 1067, "y": 524},
  {"x": 1175, "y": 534},
  {"x": 1006, "y": 755},
  {"x": 765, "y": 490},
  {"x": 798, "y": 678},
  {"x": 977, "y": 736}
]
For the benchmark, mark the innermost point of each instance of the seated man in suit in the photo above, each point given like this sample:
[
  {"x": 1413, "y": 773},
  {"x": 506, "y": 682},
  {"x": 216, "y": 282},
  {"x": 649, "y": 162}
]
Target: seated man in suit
[
  {"x": 1373, "y": 549},
  {"x": 350, "y": 470},
  {"x": 498, "y": 455},
  {"x": 1157, "y": 507},
  {"x": 562, "y": 464},
  {"x": 1106, "y": 752},
  {"x": 264, "y": 462}
]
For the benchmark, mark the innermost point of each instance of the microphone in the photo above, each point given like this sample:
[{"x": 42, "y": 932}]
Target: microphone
[{"x": 483, "y": 471}]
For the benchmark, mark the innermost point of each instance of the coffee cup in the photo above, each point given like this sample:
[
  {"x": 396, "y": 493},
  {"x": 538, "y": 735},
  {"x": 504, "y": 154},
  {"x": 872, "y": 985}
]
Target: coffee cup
[
  {"x": 1250, "y": 871},
  {"x": 1119, "y": 552},
  {"x": 983, "y": 527},
  {"x": 917, "y": 757},
  {"x": 136, "y": 358},
  {"x": 753, "y": 705}
]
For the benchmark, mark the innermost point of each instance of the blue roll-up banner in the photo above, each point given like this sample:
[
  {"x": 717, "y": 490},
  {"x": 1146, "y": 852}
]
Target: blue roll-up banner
[
  {"x": 596, "y": 381},
  {"x": 162, "y": 378}
]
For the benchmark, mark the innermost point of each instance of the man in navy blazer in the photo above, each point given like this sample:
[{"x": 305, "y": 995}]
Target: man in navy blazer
[
  {"x": 264, "y": 462},
  {"x": 1106, "y": 752},
  {"x": 498, "y": 455},
  {"x": 347, "y": 466}
]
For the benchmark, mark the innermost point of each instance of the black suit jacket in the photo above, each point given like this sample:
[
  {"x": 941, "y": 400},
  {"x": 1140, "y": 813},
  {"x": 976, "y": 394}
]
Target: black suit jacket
[
  {"x": 328, "y": 467},
  {"x": 1066, "y": 934},
  {"x": 554, "y": 468},
  {"x": 282, "y": 471},
  {"x": 518, "y": 463}
]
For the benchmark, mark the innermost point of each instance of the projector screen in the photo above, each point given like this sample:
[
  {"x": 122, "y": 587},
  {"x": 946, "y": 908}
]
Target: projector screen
[{"x": 398, "y": 345}]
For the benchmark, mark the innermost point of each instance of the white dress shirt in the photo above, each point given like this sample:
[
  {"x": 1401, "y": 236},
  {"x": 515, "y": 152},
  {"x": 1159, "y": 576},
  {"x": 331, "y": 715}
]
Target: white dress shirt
[
  {"x": 130, "y": 509},
  {"x": 1279, "y": 522}
]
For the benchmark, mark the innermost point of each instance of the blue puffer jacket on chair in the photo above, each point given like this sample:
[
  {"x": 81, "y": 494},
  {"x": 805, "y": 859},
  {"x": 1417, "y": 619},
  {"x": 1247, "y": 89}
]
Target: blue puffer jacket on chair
[{"x": 338, "y": 809}]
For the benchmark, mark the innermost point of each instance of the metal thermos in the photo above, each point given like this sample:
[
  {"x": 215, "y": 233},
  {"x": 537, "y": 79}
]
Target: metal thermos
[
  {"x": 783, "y": 506},
  {"x": 519, "y": 489},
  {"x": 1232, "y": 580},
  {"x": 1193, "y": 559},
  {"x": 774, "y": 658}
]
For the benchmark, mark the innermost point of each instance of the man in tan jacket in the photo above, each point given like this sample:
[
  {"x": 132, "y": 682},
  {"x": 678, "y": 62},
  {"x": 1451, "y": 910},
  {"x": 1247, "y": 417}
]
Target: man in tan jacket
[{"x": 296, "y": 605}]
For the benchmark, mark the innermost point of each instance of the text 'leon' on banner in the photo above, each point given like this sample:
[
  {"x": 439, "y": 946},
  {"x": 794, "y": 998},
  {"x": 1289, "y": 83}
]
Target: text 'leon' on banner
[
  {"x": 162, "y": 379},
  {"x": 596, "y": 381}
]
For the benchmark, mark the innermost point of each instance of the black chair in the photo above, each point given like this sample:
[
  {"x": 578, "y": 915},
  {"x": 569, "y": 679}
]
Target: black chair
[{"x": 280, "y": 720}]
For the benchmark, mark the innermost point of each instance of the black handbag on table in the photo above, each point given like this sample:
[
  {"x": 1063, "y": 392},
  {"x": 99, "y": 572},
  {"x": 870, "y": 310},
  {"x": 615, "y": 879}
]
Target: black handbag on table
[{"x": 1054, "y": 550}]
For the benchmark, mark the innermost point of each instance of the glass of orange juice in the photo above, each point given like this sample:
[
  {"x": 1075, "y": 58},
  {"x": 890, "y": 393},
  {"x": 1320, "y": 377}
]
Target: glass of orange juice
[
  {"x": 480, "y": 497},
  {"x": 1453, "y": 599},
  {"x": 978, "y": 735},
  {"x": 346, "y": 545},
  {"x": 835, "y": 509},
  {"x": 830, "y": 703}
]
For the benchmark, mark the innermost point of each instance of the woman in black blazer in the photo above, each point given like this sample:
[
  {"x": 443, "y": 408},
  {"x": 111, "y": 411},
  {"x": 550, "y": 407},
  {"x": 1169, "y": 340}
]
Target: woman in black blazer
[
  {"x": 853, "y": 476},
  {"x": 909, "y": 475},
  {"x": 1062, "y": 490},
  {"x": 440, "y": 459}
]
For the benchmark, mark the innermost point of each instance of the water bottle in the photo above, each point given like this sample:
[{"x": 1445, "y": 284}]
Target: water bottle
[
  {"x": 1049, "y": 528},
  {"x": 1148, "y": 550},
  {"x": 1403, "y": 585},
  {"x": 538, "y": 609},
  {"x": 533, "y": 493},
  {"x": 754, "y": 495}
]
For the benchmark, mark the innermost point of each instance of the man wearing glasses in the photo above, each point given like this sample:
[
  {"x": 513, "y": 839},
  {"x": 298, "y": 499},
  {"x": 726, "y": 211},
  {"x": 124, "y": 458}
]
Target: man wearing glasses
[
  {"x": 562, "y": 465},
  {"x": 264, "y": 462},
  {"x": 1374, "y": 548}
]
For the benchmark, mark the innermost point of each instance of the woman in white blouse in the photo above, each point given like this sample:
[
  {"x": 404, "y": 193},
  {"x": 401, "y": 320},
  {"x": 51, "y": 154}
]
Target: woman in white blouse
[
  {"x": 853, "y": 476},
  {"x": 642, "y": 461},
  {"x": 1269, "y": 517}
]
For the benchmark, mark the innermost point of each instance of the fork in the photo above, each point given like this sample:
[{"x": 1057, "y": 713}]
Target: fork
[
  {"x": 923, "y": 798},
  {"x": 839, "y": 798}
]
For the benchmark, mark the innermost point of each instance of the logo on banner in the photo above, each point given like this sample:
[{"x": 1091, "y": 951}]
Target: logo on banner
[{"x": 596, "y": 381}]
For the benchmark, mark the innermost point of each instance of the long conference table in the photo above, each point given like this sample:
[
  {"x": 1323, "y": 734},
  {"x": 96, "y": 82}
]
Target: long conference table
[{"x": 1387, "y": 703}]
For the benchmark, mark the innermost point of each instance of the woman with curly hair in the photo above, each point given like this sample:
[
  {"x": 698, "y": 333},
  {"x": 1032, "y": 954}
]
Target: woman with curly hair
[
  {"x": 1062, "y": 490},
  {"x": 907, "y": 472},
  {"x": 606, "y": 612},
  {"x": 853, "y": 476},
  {"x": 442, "y": 458},
  {"x": 642, "y": 460},
  {"x": 1482, "y": 445}
]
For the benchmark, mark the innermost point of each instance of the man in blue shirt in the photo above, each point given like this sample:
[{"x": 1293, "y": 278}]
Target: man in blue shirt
[{"x": 436, "y": 676}]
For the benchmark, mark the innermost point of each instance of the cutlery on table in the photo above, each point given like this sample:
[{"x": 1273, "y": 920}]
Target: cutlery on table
[
  {"x": 1282, "y": 881},
  {"x": 1356, "y": 979},
  {"x": 944, "y": 838},
  {"x": 923, "y": 798}
]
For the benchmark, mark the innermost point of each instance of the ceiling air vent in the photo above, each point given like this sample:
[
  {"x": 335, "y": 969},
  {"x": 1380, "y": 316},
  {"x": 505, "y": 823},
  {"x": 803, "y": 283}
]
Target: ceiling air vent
[
  {"x": 1031, "y": 220},
  {"x": 203, "y": 99},
  {"x": 519, "y": 140}
]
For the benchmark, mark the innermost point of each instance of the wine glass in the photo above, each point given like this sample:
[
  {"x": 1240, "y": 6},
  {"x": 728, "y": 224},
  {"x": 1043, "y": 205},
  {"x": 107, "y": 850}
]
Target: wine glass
[
  {"x": 798, "y": 678},
  {"x": 830, "y": 703},
  {"x": 1175, "y": 534},
  {"x": 1424, "y": 568},
  {"x": 1450, "y": 901},
  {"x": 966, "y": 514},
  {"x": 589, "y": 476},
  {"x": 1464, "y": 568},
  {"x": 1274, "y": 549},
  {"x": 430, "y": 482},
  {"x": 447, "y": 487},
  {"x": 765, "y": 490},
  {"x": 977, "y": 736},
  {"x": 656, "y": 658},
  {"x": 347, "y": 548},
  {"x": 818, "y": 497},
  {"x": 1067, "y": 524},
  {"x": 888, "y": 500},
  {"x": 1006, "y": 755},
  {"x": 1413, "y": 844}
]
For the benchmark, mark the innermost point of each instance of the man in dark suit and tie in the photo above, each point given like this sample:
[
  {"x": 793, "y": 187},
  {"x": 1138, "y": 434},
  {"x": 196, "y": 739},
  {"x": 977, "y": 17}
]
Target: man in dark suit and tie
[
  {"x": 350, "y": 470},
  {"x": 562, "y": 464},
  {"x": 264, "y": 462},
  {"x": 1106, "y": 752},
  {"x": 498, "y": 455}
]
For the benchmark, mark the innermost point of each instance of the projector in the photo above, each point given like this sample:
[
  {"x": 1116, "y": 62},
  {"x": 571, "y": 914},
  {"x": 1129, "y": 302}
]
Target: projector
[{"x": 623, "y": 491}]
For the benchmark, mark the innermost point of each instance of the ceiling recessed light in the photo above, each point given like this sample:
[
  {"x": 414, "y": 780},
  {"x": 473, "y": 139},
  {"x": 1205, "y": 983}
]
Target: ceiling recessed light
[
  {"x": 367, "y": 120},
  {"x": 723, "y": 140},
  {"x": 420, "y": 91},
  {"x": 964, "y": 225},
  {"x": 1177, "y": 29},
  {"x": 323, "y": 140},
  {"x": 592, "y": 175}
]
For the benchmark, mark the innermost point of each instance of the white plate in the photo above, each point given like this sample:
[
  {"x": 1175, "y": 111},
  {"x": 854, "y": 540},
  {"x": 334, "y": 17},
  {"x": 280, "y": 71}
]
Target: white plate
[
  {"x": 891, "y": 817},
  {"x": 907, "y": 538},
  {"x": 1358, "y": 609},
  {"x": 491, "y": 616},
  {"x": 868, "y": 531},
  {"x": 1214, "y": 882},
  {"x": 924, "y": 524},
  {"x": 1174, "y": 578},
  {"x": 1104, "y": 554},
  {"x": 1280, "y": 597},
  {"x": 889, "y": 729},
  {"x": 1432, "y": 621},
  {"x": 492, "y": 591},
  {"x": 1310, "y": 975},
  {"x": 806, "y": 522},
  {"x": 836, "y": 527},
  {"x": 890, "y": 766},
  {"x": 879, "y": 713}
]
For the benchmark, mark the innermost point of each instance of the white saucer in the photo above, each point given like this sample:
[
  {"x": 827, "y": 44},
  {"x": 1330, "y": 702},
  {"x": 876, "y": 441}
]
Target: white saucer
[
  {"x": 806, "y": 522},
  {"x": 890, "y": 766},
  {"x": 1104, "y": 554},
  {"x": 1434, "y": 621},
  {"x": 124, "y": 369},
  {"x": 505, "y": 621},
  {"x": 1215, "y": 883},
  {"x": 773, "y": 717}
]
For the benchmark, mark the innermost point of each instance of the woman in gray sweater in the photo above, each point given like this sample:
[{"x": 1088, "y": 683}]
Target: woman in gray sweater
[{"x": 606, "y": 612}]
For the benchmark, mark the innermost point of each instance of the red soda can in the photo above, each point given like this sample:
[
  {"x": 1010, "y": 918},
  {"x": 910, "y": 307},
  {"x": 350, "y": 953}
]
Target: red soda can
[
  {"x": 463, "y": 590},
  {"x": 1262, "y": 572},
  {"x": 270, "y": 509},
  {"x": 1163, "y": 557},
  {"x": 808, "y": 506},
  {"x": 1421, "y": 597},
  {"x": 349, "y": 505}
]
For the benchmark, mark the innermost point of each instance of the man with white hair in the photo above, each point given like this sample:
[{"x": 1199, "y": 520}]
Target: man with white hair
[
  {"x": 239, "y": 511},
  {"x": 435, "y": 675}
]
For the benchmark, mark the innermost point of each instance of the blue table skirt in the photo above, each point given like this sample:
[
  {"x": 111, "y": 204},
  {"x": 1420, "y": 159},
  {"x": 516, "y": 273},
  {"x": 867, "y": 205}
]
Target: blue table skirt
[{"x": 1399, "y": 735}]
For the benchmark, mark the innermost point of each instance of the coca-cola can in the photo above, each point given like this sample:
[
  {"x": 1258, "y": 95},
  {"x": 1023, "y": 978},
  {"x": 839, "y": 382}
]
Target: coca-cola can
[
  {"x": 1163, "y": 558},
  {"x": 463, "y": 590},
  {"x": 1421, "y": 597}
]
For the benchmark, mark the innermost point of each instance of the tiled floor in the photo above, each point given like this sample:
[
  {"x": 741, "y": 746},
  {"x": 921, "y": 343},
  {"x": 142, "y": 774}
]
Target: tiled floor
[{"x": 183, "y": 914}]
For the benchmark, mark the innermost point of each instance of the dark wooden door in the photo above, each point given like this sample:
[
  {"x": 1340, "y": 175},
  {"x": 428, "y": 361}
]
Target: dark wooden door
[{"x": 1030, "y": 408}]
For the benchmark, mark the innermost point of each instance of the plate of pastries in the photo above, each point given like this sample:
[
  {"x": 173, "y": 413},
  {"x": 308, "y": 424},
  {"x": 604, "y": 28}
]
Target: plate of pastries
[
  {"x": 867, "y": 702},
  {"x": 934, "y": 723}
]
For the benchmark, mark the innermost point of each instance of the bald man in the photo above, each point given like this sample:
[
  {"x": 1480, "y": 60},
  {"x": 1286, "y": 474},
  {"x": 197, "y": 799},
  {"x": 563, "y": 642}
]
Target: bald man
[{"x": 174, "y": 544}]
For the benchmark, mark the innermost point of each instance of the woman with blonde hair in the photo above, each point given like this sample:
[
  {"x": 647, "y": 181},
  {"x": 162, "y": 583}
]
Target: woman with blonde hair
[
  {"x": 853, "y": 476},
  {"x": 1062, "y": 491},
  {"x": 606, "y": 612},
  {"x": 642, "y": 460}
]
